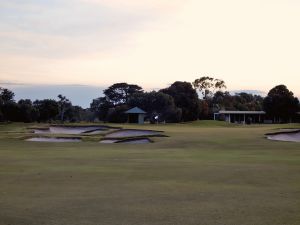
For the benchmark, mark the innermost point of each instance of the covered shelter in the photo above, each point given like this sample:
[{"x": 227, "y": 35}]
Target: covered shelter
[
  {"x": 240, "y": 116},
  {"x": 297, "y": 117},
  {"x": 136, "y": 115}
]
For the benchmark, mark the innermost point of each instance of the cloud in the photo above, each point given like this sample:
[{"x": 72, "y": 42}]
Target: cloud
[
  {"x": 253, "y": 92},
  {"x": 145, "y": 5},
  {"x": 62, "y": 29},
  {"x": 250, "y": 44}
]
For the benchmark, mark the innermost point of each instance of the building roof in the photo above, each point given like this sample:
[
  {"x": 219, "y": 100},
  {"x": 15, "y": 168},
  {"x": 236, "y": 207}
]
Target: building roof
[
  {"x": 242, "y": 112},
  {"x": 135, "y": 110}
]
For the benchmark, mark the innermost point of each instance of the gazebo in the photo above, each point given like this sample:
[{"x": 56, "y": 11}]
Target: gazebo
[{"x": 136, "y": 115}]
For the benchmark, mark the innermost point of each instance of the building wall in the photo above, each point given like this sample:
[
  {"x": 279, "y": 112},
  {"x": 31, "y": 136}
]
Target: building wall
[
  {"x": 241, "y": 118},
  {"x": 141, "y": 119}
]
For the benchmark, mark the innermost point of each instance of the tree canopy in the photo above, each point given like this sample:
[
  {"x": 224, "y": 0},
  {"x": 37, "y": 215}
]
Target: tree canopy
[
  {"x": 157, "y": 104},
  {"x": 176, "y": 103},
  {"x": 63, "y": 104},
  {"x": 209, "y": 85},
  {"x": 185, "y": 98},
  {"x": 281, "y": 103},
  {"x": 119, "y": 93}
]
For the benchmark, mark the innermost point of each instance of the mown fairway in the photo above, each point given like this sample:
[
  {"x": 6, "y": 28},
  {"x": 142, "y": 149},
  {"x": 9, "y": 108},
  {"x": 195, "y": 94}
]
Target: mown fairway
[{"x": 203, "y": 174}]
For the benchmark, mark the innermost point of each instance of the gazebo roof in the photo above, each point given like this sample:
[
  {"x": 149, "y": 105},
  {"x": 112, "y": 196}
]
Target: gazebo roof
[{"x": 135, "y": 110}]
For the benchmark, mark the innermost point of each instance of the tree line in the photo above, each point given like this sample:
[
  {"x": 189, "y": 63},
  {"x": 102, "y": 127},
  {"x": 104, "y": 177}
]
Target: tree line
[
  {"x": 45, "y": 110},
  {"x": 180, "y": 102}
]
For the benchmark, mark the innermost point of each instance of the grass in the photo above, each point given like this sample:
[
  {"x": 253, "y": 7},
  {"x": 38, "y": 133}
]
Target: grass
[{"x": 205, "y": 173}]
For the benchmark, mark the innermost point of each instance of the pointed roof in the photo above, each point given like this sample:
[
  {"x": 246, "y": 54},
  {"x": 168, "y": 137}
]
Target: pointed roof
[{"x": 135, "y": 110}]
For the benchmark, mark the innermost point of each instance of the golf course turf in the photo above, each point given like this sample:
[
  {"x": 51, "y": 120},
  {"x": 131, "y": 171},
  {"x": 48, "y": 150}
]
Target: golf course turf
[{"x": 203, "y": 173}]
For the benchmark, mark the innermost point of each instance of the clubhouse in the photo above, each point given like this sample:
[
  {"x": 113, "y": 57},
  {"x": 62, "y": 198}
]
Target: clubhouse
[{"x": 241, "y": 116}]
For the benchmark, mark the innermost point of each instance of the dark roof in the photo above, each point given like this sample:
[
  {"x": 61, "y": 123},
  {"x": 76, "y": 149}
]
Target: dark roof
[
  {"x": 242, "y": 112},
  {"x": 135, "y": 110}
]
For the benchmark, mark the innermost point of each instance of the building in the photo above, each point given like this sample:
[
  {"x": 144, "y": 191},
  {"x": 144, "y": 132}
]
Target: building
[
  {"x": 136, "y": 115},
  {"x": 297, "y": 117},
  {"x": 241, "y": 116}
]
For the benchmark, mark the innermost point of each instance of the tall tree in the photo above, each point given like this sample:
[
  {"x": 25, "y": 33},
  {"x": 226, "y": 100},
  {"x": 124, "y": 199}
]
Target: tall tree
[
  {"x": 27, "y": 113},
  {"x": 113, "y": 104},
  {"x": 240, "y": 101},
  {"x": 281, "y": 103},
  {"x": 63, "y": 104},
  {"x": 208, "y": 86},
  {"x": 119, "y": 93},
  {"x": 186, "y": 98},
  {"x": 100, "y": 107},
  {"x": 157, "y": 104},
  {"x": 47, "y": 109},
  {"x": 6, "y": 95},
  {"x": 8, "y": 107}
]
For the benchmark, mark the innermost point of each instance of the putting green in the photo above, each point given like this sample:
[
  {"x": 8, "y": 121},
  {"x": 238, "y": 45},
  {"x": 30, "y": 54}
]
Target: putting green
[{"x": 208, "y": 173}]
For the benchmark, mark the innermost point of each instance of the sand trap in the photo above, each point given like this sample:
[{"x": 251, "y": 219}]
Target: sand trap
[
  {"x": 126, "y": 141},
  {"x": 132, "y": 133},
  {"x": 289, "y": 129},
  {"x": 288, "y": 136},
  {"x": 109, "y": 141},
  {"x": 71, "y": 130},
  {"x": 45, "y": 139},
  {"x": 95, "y": 131},
  {"x": 137, "y": 141}
]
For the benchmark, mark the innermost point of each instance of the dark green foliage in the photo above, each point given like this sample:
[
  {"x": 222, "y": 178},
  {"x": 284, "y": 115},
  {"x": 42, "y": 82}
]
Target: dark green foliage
[
  {"x": 63, "y": 105},
  {"x": 185, "y": 98},
  {"x": 281, "y": 104},
  {"x": 100, "y": 106},
  {"x": 205, "y": 110},
  {"x": 240, "y": 101},
  {"x": 119, "y": 93},
  {"x": 116, "y": 114},
  {"x": 208, "y": 85},
  {"x": 8, "y": 108},
  {"x": 177, "y": 103},
  {"x": 47, "y": 109},
  {"x": 111, "y": 108},
  {"x": 157, "y": 104},
  {"x": 11, "y": 111},
  {"x": 27, "y": 112},
  {"x": 41, "y": 110},
  {"x": 23, "y": 111},
  {"x": 6, "y": 96}
]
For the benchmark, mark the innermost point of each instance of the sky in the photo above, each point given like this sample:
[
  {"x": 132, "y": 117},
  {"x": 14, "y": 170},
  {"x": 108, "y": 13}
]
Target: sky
[{"x": 71, "y": 45}]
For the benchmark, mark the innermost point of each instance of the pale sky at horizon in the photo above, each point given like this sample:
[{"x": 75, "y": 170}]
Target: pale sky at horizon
[{"x": 252, "y": 45}]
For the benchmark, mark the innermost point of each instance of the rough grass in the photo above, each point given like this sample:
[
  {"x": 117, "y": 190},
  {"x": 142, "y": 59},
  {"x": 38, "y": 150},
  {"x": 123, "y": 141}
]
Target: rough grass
[{"x": 204, "y": 173}]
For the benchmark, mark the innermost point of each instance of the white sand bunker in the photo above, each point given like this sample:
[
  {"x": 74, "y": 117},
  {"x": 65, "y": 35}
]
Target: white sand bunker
[
  {"x": 109, "y": 141},
  {"x": 127, "y": 141},
  {"x": 46, "y": 139},
  {"x": 132, "y": 133},
  {"x": 137, "y": 141},
  {"x": 71, "y": 130},
  {"x": 287, "y": 136},
  {"x": 289, "y": 130}
]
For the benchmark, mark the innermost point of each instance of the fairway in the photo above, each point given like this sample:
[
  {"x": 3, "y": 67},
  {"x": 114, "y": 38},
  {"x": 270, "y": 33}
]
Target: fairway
[{"x": 203, "y": 173}]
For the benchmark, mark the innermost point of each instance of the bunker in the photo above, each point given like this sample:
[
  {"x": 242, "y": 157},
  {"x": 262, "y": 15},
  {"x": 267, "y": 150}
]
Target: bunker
[{"x": 289, "y": 136}]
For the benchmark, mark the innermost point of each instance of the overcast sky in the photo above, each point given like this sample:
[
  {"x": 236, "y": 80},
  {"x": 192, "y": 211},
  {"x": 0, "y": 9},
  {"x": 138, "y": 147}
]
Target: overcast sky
[{"x": 250, "y": 44}]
